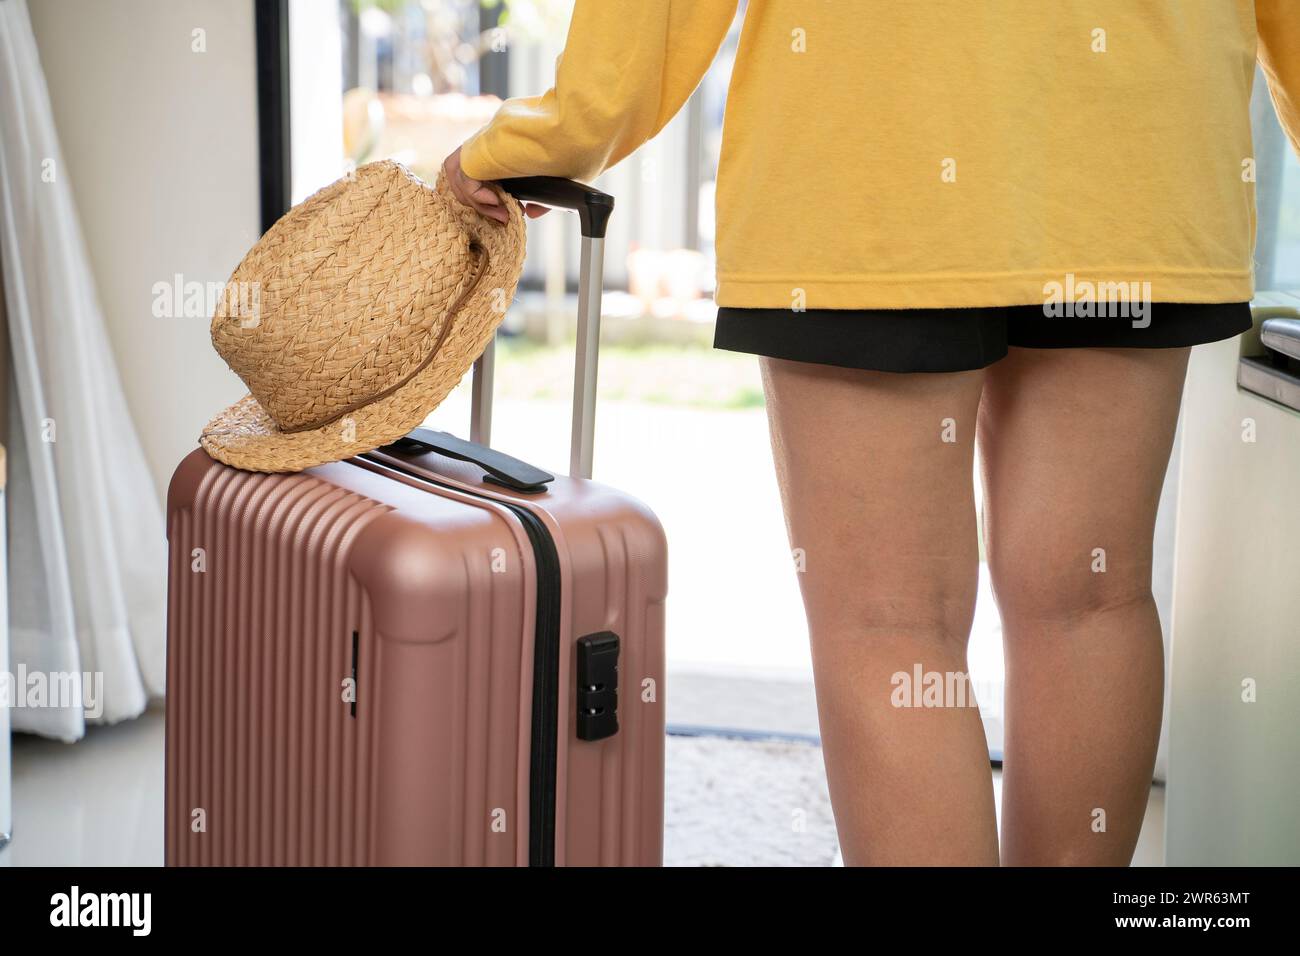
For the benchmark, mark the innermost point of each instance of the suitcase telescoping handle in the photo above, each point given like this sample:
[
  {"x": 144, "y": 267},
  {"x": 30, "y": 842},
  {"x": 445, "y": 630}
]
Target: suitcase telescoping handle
[{"x": 593, "y": 208}]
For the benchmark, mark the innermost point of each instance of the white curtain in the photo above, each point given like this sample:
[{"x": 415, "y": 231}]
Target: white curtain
[{"x": 87, "y": 551}]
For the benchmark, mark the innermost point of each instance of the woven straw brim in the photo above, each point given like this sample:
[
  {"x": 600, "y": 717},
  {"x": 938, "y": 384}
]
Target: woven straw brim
[{"x": 246, "y": 437}]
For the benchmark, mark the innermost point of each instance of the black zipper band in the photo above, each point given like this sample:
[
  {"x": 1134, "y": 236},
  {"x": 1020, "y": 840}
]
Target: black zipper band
[{"x": 546, "y": 691}]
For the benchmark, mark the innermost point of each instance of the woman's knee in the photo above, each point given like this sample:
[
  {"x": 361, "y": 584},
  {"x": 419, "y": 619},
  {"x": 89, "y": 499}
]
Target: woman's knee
[
  {"x": 934, "y": 608},
  {"x": 1049, "y": 580}
]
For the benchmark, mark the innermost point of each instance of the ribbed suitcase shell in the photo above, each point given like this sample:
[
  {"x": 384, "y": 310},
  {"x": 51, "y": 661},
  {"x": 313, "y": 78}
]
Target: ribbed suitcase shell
[{"x": 270, "y": 578}]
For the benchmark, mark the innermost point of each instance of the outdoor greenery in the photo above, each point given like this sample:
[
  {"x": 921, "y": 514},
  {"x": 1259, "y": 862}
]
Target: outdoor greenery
[{"x": 689, "y": 376}]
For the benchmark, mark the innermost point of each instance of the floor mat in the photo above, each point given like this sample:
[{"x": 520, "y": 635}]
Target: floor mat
[{"x": 746, "y": 803}]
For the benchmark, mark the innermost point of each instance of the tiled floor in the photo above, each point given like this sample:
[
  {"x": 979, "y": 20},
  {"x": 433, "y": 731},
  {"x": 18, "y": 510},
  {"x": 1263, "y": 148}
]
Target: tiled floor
[
  {"x": 730, "y": 802},
  {"x": 98, "y": 802}
]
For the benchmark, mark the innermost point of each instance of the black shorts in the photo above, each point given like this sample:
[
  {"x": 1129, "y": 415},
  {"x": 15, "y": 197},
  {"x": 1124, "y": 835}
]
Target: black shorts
[{"x": 955, "y": 340}]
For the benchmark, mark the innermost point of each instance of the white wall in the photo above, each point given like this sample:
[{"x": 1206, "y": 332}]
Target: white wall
[
  {"x": 1233, "y": 791},
  {"x": 160, "y": 144}
]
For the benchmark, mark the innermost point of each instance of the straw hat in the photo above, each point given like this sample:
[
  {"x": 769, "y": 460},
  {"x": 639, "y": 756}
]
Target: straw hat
[{"x": 355, "y": 315}]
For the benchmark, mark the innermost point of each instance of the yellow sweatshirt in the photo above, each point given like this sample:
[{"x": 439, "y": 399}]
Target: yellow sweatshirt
[{"x": 937, "y": 153}]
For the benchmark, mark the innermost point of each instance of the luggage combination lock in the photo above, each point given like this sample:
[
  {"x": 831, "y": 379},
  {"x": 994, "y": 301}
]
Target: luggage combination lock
[{"x": 597, "y": 686}]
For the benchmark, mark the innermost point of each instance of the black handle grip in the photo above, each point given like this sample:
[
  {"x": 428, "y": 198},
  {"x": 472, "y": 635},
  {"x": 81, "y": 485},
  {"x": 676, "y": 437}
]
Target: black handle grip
[
  {"x": 593, "y": 206},
  {"x": 501, "y": 469}
]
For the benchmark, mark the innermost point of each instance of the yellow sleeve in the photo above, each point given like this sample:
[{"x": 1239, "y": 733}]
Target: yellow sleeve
[
  {"x": 1278, "y": 26},
  {"x": 628, "y": 66}
]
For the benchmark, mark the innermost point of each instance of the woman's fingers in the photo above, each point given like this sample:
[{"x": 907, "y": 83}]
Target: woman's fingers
[
  {"x": 483, "y": 195},
  {"x": 480, "y": 196},
  {"x": 485, "y": 200},
  {"x": 472, "y": 192}
]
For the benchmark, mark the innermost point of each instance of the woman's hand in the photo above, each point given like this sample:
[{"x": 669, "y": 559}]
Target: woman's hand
[{"x": 474, "y": 193}]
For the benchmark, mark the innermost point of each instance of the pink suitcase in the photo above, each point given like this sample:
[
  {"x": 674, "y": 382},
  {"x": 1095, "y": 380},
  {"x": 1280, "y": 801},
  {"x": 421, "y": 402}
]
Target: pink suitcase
[{"x": 419, "y": 656}]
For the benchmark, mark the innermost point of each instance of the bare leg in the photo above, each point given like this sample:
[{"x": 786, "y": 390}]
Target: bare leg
[
  {"x": 1075, "y": 443},
  {"x": 881, "y": 509}
]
